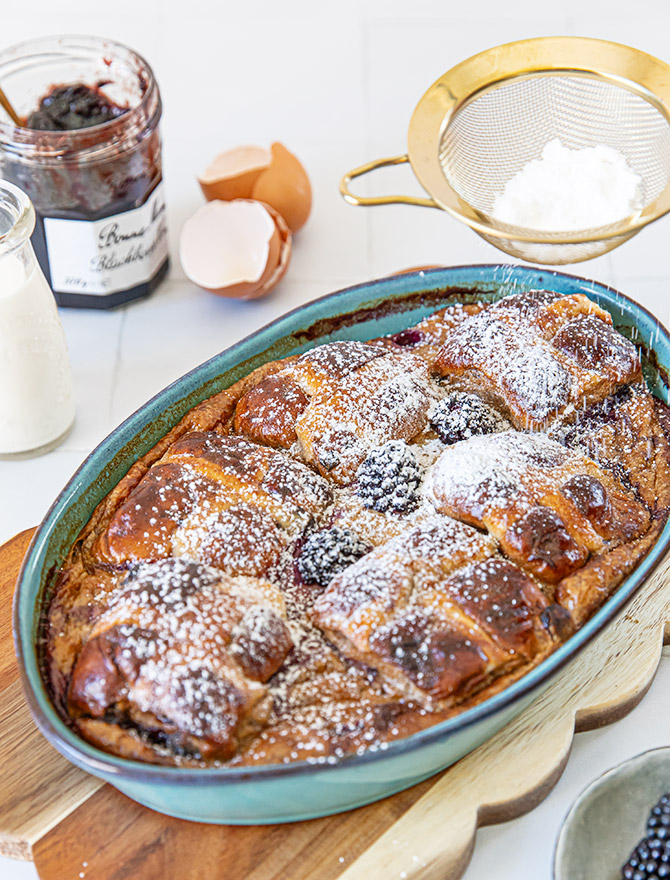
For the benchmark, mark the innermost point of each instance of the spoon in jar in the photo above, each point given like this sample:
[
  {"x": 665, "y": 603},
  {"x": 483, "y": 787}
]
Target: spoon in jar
[{"x": 11, "y": 112}]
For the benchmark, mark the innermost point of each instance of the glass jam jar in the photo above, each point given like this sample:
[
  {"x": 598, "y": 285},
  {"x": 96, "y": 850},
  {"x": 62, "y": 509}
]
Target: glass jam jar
[
  {"x": 36, "y": 393},
  {"x": 100, "y": 235}
]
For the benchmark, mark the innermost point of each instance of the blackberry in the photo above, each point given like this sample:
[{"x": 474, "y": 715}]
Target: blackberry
[
  {"x": 459, "y": 416},
  {"x": 328, "y": 552},
  {"x": 389, "y": 477},
  {"x": 650, "y": 860},
  {"x": 660, "y": 815}
]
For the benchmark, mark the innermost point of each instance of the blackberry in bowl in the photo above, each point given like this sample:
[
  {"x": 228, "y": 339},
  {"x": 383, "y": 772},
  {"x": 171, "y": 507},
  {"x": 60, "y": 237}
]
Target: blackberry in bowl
[
  {"x": 619, "y": 827},
  {"x": 651, "y": 857}
]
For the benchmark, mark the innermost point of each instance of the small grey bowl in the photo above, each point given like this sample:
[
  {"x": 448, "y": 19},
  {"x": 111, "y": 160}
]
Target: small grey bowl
[{"x": 608, "y": 818}]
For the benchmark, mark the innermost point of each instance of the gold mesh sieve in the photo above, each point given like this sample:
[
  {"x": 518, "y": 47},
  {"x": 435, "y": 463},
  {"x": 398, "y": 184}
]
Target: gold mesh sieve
[{"x": 486, "y": 118}]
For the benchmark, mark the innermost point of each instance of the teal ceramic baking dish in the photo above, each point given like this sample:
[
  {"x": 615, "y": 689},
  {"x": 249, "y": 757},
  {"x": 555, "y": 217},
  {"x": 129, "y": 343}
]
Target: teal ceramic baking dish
[{"x": 301, "y": 790}]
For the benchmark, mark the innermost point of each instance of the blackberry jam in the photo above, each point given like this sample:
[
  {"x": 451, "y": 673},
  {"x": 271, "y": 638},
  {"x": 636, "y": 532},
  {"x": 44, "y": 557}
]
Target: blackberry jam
[
  {"x": 90, "y": 161},
  {"x": 67, "y": 108}
]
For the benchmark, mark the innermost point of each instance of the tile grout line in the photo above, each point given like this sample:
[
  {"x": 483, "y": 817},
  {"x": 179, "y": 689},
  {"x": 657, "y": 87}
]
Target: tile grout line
[
  {"x": 116, "y": 367},
  {"x": 367, "y": 100}
]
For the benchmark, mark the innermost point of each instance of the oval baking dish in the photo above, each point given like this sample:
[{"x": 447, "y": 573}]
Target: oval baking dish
[{"x": 303, "y": 790}]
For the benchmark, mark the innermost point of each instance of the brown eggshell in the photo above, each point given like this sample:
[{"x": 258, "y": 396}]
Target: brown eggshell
[
  {"x": 232, "y": 175},
  {"x": 254, "y": 289},
  {"x": 199, "y": 268},
  {"x": 285, "y": 250},
  {"x": 285, "y": 185}
]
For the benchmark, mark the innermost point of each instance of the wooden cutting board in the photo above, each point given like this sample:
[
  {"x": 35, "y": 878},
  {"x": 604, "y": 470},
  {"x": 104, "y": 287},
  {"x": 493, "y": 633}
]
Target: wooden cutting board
[{"x": 74, "y": 826}]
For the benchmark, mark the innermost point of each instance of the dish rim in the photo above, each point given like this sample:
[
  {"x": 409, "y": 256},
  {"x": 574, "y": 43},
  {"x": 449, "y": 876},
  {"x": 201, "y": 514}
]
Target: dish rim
[
  {"x": 82, "y": 753},
  {"x": 593, "y": 788}
]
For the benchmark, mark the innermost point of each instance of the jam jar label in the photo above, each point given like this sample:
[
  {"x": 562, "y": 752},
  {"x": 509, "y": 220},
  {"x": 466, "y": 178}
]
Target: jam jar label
[{"x": 99, "y": 257}]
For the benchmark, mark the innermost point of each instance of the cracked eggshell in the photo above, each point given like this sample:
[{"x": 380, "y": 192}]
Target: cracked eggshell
[
  {"x": 285, "y": 185},
  {"x": 232, "y": 175},
  {"x": 239, "y": 249}
]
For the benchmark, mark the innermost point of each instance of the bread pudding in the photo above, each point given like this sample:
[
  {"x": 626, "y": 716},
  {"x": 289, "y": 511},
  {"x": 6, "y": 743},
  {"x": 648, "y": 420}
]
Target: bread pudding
[{"x": 352, "y": 544}]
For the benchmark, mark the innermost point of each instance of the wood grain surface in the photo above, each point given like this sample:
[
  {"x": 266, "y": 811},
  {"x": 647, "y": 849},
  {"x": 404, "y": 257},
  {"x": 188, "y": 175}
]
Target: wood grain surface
[
  {"x": 73, "y": 826},
  {"x": 38, "y": 786}
]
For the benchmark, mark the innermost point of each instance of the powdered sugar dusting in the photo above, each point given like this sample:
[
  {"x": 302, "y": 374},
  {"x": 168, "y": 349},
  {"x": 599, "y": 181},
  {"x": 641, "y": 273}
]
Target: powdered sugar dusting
[
  {"x": 523, "y": 350},
  {"x": 372, "y": 590},
  {"x": 174, "y": 624},
  {"x": 388, "y": 398},
  {"x": 230, "y": 649},
  {"x": 523, "y": 365}
]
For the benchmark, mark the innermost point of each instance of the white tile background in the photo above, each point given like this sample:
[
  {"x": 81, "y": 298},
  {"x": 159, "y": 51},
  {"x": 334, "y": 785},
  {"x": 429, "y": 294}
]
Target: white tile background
[{"x": 337, "y": 84}]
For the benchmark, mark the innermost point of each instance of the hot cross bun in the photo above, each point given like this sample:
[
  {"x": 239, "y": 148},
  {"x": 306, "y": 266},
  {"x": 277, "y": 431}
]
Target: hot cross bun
[
  {"x": 539, "y": 355},
  {"x": 183, "y": 652}
]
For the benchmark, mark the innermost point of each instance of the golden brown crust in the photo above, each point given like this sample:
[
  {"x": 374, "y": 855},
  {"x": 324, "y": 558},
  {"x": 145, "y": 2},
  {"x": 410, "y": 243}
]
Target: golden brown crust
[
  {"x": 183, "y": 651},
  {"x": 538, "y": 355},
  {"x": 338, "y": 401},
  {"x": 549, "y": 507},
  {"x": 436, "y": 612},
  {"x": 249, "y": 498},
  {"x": 585, "y": 591},
  {"x": 513, "y": 540}
]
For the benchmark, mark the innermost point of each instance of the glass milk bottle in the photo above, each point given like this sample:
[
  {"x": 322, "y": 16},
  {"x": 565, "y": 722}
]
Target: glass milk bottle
[{"x": 36, "y": 394}]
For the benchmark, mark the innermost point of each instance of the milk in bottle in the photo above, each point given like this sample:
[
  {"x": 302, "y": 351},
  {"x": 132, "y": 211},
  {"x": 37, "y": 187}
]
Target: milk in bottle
[{"x": 36, "y": 393}]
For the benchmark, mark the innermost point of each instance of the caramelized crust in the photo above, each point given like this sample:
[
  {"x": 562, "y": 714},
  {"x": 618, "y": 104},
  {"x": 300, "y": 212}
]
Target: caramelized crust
[
  {"x": 627, "y": 435},
  {"x": 549, "y": 507},
  {"x": 372, "y": 591},
  {"x": 595, "y": 345},
  {"x": 268, "y": 412},
  {"x": 386, "y": 399},
  {"x": 222, "y": 500},
  {"x": 584, "y": 591},
  {"x": 432, "y": 622},
  {"x": 359, "y": 396},
  {"x": 181, "y": 630}
]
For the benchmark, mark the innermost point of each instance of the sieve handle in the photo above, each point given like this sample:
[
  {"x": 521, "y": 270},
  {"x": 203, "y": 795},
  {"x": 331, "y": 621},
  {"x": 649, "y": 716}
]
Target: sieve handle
[{"x": 380, "y": 200}]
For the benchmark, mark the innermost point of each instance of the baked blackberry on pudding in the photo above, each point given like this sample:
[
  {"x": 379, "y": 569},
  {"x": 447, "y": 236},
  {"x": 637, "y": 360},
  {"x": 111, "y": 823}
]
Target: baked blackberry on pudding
[{"x": 355, "y": 543}]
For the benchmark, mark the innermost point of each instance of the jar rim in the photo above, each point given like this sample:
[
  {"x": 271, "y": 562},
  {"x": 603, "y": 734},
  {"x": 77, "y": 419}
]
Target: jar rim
[
  {"x": 16, "y": 203},
  {"x": 81, "y": 144}
]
